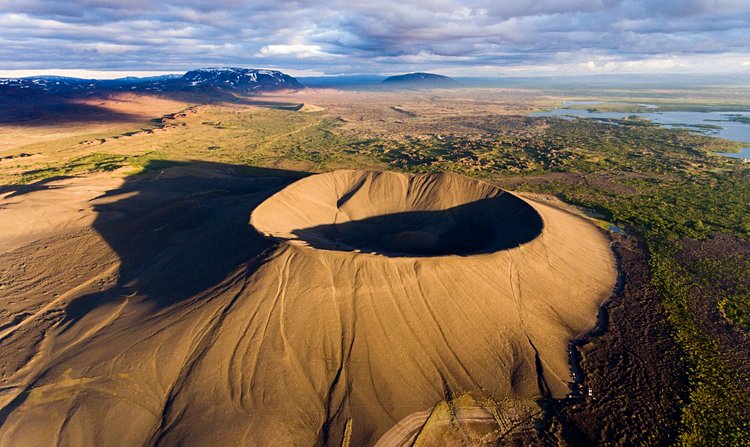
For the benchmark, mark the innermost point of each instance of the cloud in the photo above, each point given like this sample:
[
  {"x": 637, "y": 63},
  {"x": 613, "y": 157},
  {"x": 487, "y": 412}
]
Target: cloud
[
  {"x": 295, "y": 50},
  {"x": 362, "y": 36},
  {"x": 81, "y": 73}
]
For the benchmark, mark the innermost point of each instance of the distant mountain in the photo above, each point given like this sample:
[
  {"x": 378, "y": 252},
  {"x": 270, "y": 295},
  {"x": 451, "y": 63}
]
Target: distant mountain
[
  {"x": 242, "y": 79},
  {"x": 45, "y": 83},
  {"x": 204, "y": 80},
  {"x": 420, "y": 80}
]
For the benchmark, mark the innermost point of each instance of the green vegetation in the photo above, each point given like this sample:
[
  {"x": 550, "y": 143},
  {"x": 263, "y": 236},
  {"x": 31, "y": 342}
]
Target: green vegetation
[
  {"x": 731, "y": 272},
  {"x": 272, "y": 137},
  {"x": 95, "y": 162},
  {"x": 717, "y": 411},
  {"x": 492, "y": 155},
  {"x": 582, "y": 146},
  {"x": 739, "y": 118},
  {"x": 630, "y": 104},
  {"x": 252, "y": 137},
  {"x": 622, "y": 107}
]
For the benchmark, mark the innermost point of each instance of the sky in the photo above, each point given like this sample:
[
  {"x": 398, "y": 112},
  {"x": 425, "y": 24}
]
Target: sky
[{"x": 484, "y": 38}]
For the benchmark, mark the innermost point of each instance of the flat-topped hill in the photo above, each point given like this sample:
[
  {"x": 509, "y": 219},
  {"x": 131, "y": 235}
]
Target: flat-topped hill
[{"x": 420, "y": 80}]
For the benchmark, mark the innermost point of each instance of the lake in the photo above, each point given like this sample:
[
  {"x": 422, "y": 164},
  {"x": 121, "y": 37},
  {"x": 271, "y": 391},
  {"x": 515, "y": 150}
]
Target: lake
[{"x": 731, "y": 130}]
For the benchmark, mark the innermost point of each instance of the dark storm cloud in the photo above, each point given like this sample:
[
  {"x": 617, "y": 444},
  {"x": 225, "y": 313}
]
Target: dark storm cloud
[{"x": 369, "y": 36}]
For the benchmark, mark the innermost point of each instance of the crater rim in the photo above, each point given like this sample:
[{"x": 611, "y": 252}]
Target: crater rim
[{"x": 454, "y": 215}]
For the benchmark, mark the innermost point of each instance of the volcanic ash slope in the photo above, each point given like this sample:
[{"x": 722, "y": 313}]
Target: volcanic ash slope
[{"x": 386, "y": 296}]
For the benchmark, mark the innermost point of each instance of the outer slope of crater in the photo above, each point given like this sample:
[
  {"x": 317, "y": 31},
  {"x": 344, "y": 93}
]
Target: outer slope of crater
[{"x": 494, "y": 322}]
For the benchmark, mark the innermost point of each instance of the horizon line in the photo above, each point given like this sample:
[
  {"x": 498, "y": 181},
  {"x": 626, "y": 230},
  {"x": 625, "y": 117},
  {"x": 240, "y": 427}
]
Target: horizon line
[{"x": 95, "y": 74}]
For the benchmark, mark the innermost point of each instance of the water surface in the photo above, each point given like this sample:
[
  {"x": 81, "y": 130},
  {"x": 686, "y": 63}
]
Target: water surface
[{"x": 694, "y": 121}]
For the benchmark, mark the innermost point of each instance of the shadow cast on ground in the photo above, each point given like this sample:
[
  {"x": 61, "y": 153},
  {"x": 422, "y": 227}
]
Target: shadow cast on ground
[
  {"x": 44, "y": 110},
  {"x": 21, "y": 189},
  {"x": 182, "y": 230},
  {"x": 50, "y": 111}
]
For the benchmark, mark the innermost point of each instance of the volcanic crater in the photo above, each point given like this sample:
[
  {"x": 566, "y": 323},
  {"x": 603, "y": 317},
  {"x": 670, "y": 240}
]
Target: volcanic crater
[
  {"x": 395, "y": 215},
  {"x": 388, "y": 309}
]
